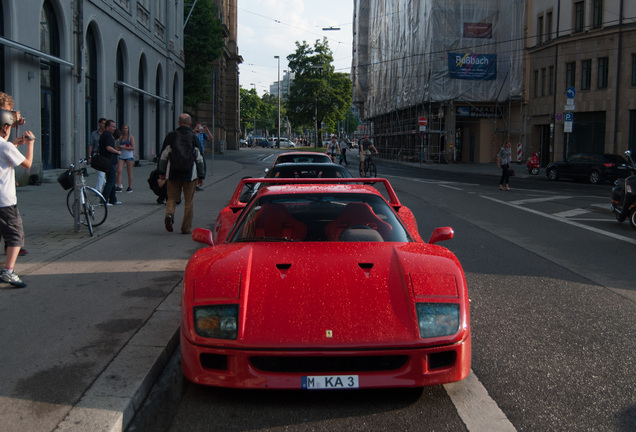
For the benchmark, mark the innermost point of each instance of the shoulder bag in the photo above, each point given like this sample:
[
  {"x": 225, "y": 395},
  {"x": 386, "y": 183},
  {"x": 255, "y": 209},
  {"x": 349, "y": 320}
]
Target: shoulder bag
[{"x": 100, "y": 162}]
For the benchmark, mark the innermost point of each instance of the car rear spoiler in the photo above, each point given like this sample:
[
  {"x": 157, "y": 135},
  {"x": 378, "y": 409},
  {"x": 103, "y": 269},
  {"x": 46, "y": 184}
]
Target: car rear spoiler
[{"x": 237, "y": 204}]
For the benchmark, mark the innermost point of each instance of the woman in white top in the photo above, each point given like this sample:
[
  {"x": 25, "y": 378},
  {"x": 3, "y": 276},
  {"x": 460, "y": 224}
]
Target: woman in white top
[{"x": 127, "y": 157}]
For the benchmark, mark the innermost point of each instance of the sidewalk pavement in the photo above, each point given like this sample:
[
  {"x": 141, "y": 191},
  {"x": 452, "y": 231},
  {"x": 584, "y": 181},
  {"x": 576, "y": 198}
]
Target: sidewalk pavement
[{"x": 85, "y": 341}]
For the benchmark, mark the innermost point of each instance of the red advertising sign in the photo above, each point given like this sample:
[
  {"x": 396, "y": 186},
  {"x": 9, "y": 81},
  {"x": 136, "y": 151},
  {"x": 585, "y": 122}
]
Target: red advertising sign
[{"x": 477, "y": 30}]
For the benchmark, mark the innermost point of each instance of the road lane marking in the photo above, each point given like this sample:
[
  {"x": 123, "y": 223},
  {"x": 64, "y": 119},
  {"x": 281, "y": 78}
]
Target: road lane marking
[
  {"x": 451, "y": 187},
  {"x": 571, "y": 213},
  {"x": 437, "y": 182},
  {"x": 540, "y": 200},
  {"x": 565, "y": 221},
  {"x": 478, "y": 411}
]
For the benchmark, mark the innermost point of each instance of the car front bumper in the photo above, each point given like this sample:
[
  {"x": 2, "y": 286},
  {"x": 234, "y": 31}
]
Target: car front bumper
[{"x": 285, "y": 369}]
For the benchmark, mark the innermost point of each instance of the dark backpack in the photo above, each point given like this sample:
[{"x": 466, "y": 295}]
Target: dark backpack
[{"x": 182, "y": 155}]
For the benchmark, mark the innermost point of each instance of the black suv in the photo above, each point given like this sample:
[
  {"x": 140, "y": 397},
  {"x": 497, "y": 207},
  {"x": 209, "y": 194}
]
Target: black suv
[{"x": 593, "y": 167}]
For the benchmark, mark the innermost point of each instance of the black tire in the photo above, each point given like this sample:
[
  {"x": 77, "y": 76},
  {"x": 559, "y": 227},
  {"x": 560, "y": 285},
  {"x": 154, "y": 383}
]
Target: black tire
[
  {"x": 553, "y": 174},
  {"x": 632, "y": 218},
  {"x": 595, "y": 177},
  {"x": 535, "y": 171},
  {"x": 373, "y": 172},
  {"x": 97, "y": 210},
  {"x": 87, "y": 215}
]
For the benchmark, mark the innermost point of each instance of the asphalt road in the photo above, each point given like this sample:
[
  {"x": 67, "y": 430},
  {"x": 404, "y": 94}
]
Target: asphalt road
[{"x": 550, "y": 275}]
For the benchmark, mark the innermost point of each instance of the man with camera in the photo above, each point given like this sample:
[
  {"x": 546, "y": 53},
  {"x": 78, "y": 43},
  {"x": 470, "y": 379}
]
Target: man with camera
[
  {"x": 10, "y": 157},
  {"x": 203, "y": 133}
]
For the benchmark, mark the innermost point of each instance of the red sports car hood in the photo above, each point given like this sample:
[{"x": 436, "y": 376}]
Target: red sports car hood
[{"x": 326, "y": 294}]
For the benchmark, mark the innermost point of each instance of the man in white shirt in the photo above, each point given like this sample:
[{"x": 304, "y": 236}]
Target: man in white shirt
[{"x": 10, "y": 157}]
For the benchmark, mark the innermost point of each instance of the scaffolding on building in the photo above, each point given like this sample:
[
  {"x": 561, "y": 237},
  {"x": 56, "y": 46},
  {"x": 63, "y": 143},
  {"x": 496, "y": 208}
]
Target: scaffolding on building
[{"x": 446, "y": 60}]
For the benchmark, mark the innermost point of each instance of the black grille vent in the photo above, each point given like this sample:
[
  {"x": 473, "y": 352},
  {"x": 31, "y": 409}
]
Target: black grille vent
[{"x": 328, "y": 364}]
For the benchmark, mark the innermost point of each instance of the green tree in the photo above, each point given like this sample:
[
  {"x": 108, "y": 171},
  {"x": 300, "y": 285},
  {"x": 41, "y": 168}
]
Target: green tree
[
  {"x": 318, "y": 95},
  {"x": 202, "y": 44},
  {"x": 250, "y": 104}
]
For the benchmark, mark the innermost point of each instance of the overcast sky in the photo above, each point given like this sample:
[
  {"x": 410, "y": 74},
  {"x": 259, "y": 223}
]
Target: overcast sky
[{"x": 267, "y": 28}]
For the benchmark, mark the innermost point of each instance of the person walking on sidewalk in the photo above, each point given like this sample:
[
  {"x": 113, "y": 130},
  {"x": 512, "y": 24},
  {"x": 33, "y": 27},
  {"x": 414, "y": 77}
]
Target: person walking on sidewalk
[
  {"x": 10, "y": 220},
  {"x": 181, "y": 163},
  {"x": 203, "y": 133},
  {"x": 503, "y": 161},
  {"x": 107, "y": 148}
]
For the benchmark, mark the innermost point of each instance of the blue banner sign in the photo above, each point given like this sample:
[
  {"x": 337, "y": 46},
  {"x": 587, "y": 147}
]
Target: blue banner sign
[{"x": 472, "y": 66}]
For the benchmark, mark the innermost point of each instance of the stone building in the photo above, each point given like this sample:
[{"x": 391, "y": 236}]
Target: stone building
[
  {"x": 222, "y": 113},
  {"x": 68, "y": 62},
  {"x": 455, "y": 64},
  {"x": 588, "y": 47}
]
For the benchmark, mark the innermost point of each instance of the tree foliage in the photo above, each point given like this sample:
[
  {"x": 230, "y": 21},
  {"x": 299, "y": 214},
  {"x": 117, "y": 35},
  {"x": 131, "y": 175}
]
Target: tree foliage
[
  {"x": 318, "y": 95},
  {"x": 258, "y": 113},
  {"x": 202, "y": 44}
]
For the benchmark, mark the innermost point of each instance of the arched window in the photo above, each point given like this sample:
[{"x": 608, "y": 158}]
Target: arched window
[
  {"x": 158, "y": 92},
  {"x": 141, "y": 126},
  {"x": 90, "y": 84},
  {"x": 2, "y": 87},
  {"x": 49, "y": 88},
  {"x": 175, "y": 83},
  {"x": 120, "y": 113}
]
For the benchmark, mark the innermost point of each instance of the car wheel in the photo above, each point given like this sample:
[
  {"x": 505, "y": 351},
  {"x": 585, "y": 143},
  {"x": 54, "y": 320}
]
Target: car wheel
[
  {"x": 632, "y": 219},
  {"x": 595, "y": 177},
  {"x": 553, "y": 174},
  {"x": 535, "y": 171}
]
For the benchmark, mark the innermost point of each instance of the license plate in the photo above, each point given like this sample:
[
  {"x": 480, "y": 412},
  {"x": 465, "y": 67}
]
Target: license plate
[{"x": 330, "y": 382}]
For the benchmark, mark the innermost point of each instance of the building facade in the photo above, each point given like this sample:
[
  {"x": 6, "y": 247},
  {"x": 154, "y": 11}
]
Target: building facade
[
  {"x": 584, "y": 51},
  {"x": 86, "y": 59},
  {"x": 441, "y": 80},
  {"x": 222, "y": 112}
]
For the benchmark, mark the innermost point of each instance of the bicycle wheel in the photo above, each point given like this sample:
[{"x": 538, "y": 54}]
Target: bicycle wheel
[
  {"x": 372, "y": 171},
  {"x": 97, "y": 208},
  {"x": 97, "y": 205},
  {"x": 70, "y": 202},
  {"x": 86, "y": 213}
]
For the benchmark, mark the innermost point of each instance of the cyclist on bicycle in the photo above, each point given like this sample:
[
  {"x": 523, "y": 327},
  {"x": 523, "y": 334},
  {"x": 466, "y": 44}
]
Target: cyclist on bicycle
[{"x": 365, "y": 147}]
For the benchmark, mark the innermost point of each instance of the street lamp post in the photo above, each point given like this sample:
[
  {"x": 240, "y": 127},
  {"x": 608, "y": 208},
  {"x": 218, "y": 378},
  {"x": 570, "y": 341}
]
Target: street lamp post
[
  {"x": 254, "y": 84},
  {"x": 278, "y": 85}
]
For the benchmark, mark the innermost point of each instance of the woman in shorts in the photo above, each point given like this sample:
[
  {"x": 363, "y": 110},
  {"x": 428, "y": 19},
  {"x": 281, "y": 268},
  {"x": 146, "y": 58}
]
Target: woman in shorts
[{"x": 127, "y": 157}]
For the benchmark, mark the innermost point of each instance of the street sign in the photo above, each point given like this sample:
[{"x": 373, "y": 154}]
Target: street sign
[
  {"x": 569, "y": 121},
  {"x": 570, "y": 92},
  {"x": 559, "y": 117},
  {"x": 423, "y": 121}
]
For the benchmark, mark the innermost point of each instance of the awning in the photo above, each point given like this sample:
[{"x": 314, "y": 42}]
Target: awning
[
  {"x": 34, "y": 52},
  {"x": 138, "y": 90}
]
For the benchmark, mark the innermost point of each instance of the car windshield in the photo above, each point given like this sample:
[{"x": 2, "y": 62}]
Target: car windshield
[
  {"x": 343, "y": 217},
  {"x": 308, "y": 171},
  {"x": 318, "y": 158}
]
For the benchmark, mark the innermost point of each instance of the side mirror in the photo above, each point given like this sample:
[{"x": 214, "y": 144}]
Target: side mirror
[
  {"x": 202, "y": 235},
  {"x": 441, "y": 234}
]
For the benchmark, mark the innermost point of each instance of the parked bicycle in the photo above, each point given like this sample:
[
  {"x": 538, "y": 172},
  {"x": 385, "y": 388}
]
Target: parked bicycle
[
  {"x": 92, "y": 205},
  {"x": 369, "y": 167}
]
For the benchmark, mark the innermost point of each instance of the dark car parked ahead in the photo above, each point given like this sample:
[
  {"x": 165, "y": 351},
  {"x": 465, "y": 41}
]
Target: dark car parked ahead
[{"x": 592, "y": 167}]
